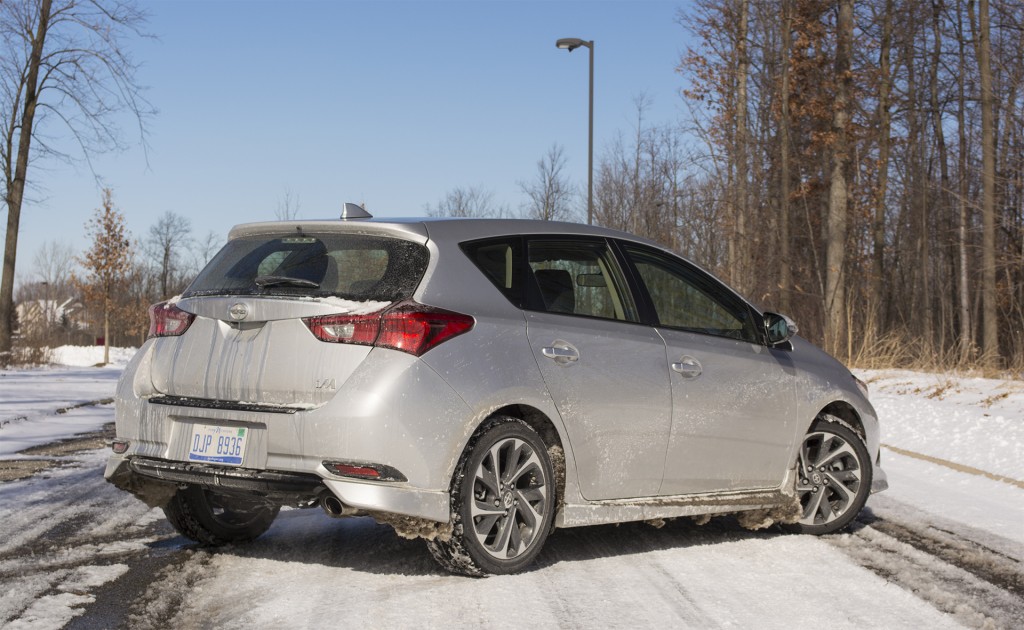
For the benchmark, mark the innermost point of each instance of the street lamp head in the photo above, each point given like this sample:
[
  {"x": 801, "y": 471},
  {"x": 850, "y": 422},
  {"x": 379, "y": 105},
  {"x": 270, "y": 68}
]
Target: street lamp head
[{"x": 571, "y": 43}]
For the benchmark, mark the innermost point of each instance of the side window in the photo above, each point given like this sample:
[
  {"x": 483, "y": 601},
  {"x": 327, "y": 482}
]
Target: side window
[
  {"x": 578, "y": 278},
  {"x": 499, "y": 260},
  {"x": 687, "y": 299}
]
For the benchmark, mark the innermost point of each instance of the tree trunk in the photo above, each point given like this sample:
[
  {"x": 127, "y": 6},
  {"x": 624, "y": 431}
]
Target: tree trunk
[
  {"x": 16, "y": 187},
  {"x": 884, "y": 130},
  {"x": 165, "y": 273},
  {"x": 743, "y": 150},
  {"x": 785, "y": 141},
  {"x": 990, "y": 331},
  {"x": 838, "y": 199},
  {"x": 966, "y": 345},
  {"x": 915, "y": 191},
  {"x": 941, "y": 208},
  {"x": 106, "y": 332}
]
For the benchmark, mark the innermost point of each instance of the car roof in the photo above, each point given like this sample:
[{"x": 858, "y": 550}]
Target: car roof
[{"x": 443, "y": 229}]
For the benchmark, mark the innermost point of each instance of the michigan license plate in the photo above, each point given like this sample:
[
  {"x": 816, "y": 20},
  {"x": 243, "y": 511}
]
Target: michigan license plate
[{"x": 217, "y": 445}]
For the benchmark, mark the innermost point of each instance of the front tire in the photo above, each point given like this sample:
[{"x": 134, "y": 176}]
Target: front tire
[
  {"x": 503, "y": 501},
  {"x": 217, "y": 519},
  {"x": 833, "y": 478}
]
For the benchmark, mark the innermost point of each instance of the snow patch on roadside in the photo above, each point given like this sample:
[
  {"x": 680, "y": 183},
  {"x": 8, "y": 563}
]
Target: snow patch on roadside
[
  {"x": 976, "y": 422},
  {"x": 88, "y": 356},
  {"x": 20, "y": 433}
]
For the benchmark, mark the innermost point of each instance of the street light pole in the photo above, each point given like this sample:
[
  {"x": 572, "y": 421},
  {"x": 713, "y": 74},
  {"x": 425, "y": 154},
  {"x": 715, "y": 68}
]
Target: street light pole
[{"x": 571, "y": 44}]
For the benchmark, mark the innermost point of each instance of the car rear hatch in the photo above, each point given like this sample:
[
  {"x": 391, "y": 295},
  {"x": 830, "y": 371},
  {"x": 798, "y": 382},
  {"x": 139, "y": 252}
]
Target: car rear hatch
[{"x": 256, "y": 306}]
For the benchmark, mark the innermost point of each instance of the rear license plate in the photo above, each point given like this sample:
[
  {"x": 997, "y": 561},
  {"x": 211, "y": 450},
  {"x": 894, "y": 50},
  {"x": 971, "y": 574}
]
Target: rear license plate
[{"x": 217, "y": 445}]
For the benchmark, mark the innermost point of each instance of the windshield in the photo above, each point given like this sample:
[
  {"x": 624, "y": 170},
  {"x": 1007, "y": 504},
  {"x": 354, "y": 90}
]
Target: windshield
[{"x": 350, "y": 266}]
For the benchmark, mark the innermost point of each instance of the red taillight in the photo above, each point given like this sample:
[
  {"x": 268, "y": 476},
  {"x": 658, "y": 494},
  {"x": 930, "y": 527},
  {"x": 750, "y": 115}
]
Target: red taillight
[
  {"x": 409, "y": 327},
  {"x": 167, "y": 320},
  {"x": 415, "y": 329}
]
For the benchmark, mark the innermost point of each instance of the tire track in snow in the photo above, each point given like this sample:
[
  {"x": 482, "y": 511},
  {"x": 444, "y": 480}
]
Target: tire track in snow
[
  {"x": 159, "y": 602},
  {"x": 987, "y": 564},
  {"x": 979, "y": 586},
  {"x": 69, "y": 538}
]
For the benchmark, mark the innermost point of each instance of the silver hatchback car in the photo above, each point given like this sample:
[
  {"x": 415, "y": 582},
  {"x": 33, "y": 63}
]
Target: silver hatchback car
[{"x": 478, "y": 383}]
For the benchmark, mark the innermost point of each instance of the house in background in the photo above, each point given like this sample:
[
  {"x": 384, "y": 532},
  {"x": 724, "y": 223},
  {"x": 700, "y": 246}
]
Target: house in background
[{"x": 54, "y": 322}]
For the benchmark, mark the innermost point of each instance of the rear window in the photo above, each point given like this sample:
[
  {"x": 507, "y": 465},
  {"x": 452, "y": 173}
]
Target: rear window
[{"x": 355, "y": 267}]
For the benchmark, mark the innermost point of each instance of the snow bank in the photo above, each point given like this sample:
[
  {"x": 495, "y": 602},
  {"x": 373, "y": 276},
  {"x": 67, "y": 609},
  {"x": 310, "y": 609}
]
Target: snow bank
[
  {"x": 976, "y": 422},
  {"x": 87, "y": 356}
]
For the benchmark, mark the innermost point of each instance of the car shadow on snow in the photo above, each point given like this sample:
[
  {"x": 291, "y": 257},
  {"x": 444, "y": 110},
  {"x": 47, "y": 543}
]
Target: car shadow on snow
[
  {"x": 361, "y": 544},
  {"x": 602, "y": 541}
]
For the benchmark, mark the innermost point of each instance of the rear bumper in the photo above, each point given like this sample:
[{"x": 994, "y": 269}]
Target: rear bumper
[
  {"x": 154, "y": 481},
  {"x": 283, "y": 487},
  {"x": 420, "y": 433}
]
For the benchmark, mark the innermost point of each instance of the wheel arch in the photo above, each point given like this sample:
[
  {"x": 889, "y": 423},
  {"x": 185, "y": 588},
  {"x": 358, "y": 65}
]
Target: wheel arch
[
  {"x": 535, "y": 418},
  {"x": 845, "y": 412}
]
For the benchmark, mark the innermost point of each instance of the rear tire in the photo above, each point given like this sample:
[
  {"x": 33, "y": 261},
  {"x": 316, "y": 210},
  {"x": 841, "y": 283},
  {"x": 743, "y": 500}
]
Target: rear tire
[
  {"x": 833, "y": 478},
  {"x": 216, "y": 519},
  {"x": 503, "y": 502}
]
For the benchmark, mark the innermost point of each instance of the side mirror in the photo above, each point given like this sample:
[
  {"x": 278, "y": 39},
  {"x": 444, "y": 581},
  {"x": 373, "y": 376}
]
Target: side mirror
[{"x": 779, "y": 329}]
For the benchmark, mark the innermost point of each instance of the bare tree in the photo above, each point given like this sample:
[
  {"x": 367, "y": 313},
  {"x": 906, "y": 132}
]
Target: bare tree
[
  {"x": 467, "y": 202},
  {"x": 52, "y": 266},
  {"x": 638, "y": 182},
  {"x": 981, "y": 28},
  {"x": 288, "y": 206},
  {"x": 168, "y": 240},
  {"x": 785, "y": 146},
  {"x": 62, "y": 63},
  {"x": 886, "y": 238},
  {"x": 838, "y": 198},
  {"x": 550, "y": 193},
  {"x": 53, "y": 262},
  {"x": 204, "y": 249}
]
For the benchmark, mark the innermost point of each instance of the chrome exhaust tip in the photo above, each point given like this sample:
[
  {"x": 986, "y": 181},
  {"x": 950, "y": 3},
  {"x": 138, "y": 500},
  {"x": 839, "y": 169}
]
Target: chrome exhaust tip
[{"x": 334, "y": 507}]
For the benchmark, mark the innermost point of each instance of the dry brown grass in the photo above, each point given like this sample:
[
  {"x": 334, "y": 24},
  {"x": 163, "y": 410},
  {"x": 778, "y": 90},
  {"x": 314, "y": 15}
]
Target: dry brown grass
[{"x": 899, "y": 349}]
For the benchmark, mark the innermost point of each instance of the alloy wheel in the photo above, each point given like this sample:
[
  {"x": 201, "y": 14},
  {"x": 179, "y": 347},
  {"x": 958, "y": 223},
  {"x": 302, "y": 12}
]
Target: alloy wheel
[
  {"x": 509, "y": 501},
  {"x": 829, "y": 477}
]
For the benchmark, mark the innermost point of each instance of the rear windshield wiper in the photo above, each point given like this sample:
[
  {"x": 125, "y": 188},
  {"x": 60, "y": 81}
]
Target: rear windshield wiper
[{"x": 277, "y": 281}]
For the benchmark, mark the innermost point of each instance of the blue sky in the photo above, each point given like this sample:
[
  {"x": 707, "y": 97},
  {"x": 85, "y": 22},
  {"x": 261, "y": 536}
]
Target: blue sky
[{"x": 388, "y": 103}]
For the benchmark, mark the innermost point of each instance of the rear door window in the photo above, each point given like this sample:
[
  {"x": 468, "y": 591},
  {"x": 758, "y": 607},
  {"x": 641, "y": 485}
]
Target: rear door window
[
  {"x": 578, "y": 277},
  {"x": 349, "y": 266}
]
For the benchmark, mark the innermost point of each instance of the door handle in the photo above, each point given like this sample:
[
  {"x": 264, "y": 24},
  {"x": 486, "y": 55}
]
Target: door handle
[
  {"x": 688, "y": 367},
  {"x": 561, "y": 354}
]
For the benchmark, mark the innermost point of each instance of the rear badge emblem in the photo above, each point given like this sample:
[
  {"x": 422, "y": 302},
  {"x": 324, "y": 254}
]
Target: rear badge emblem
[{"x": 238, "y": 311}]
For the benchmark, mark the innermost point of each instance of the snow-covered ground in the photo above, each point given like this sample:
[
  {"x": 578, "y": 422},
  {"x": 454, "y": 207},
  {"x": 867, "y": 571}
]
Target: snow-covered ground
[
  {"x": 30, "y": 399},
  {"x": 943, "y": 548}
]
